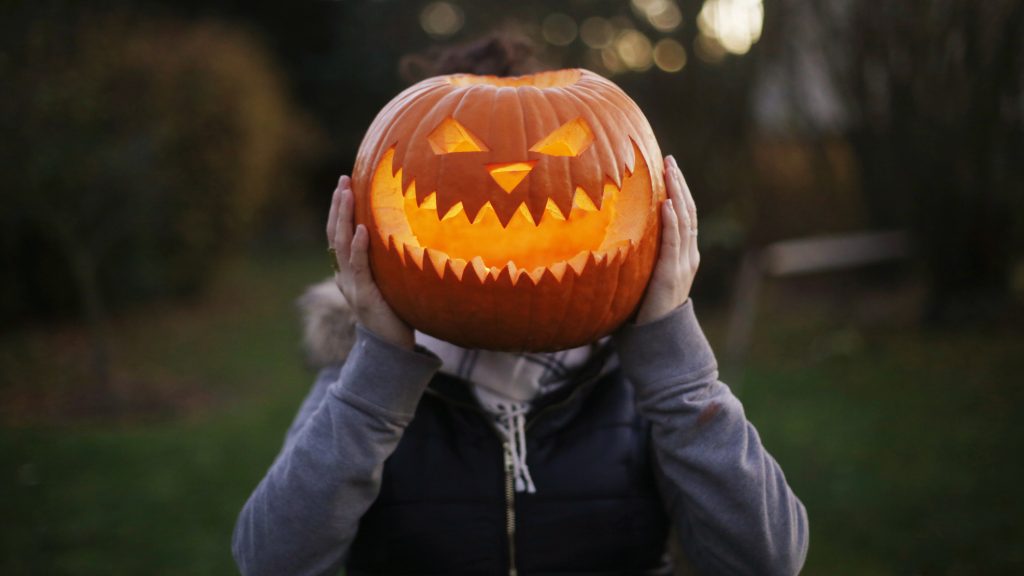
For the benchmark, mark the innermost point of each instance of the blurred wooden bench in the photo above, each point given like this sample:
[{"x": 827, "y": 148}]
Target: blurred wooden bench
[{"x": 799, "y": 256}]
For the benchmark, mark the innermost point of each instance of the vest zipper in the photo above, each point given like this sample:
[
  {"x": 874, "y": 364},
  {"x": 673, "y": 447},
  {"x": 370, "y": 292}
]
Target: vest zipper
[
  {"x": 510, "y": 509},
  {"x": 510, "y": 485}
]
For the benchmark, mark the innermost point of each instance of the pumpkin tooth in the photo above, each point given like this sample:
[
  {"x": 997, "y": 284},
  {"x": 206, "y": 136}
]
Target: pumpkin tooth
[
  {"x": 485, "y": 211},
  {"x": 505, "y": 215},
  {"x": 416, "y": 253},
  {"x": 618, "y": 252},
  {"x": 513, "y": 271},
  {"x": 557, "y": 270},
  {"x": 454, "y": 211},
  {"x": 582, "y": 201},
  {"x": 626, "y": 248},
  {"x": 537, "y": 273},
  {"x": 579, "y": 261},
  {"x": 615, "y": 247},
  {"x": 458, "y": 266},
  {"x": 430, "y": 202},
  {"x": 610, "y": 191},
  {"x": 523, "y": 213},
  {"x": 395, "y": 245},
  {"x": 553, "y": 211},
  {"x": 438, "y": 259},
  {"x": 615, "y": 178},
  {"x": 479, "y": 268}
]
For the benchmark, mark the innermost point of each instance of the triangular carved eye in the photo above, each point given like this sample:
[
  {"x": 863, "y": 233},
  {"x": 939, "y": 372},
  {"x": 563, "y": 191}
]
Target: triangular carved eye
[
  {"x": 570, "y": 139},
  {"x": 450, "y": 136}
]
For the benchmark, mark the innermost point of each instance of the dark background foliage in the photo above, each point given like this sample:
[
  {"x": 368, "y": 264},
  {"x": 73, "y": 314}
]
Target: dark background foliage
[{"x": 167, "y": 167}]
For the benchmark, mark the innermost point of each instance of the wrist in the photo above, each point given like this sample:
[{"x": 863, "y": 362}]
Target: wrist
[
  {"x": 379, "y": 375},
  {"x": 654, "y": 311},
  {"x": 395, "y": 333},
  {"x": 664, "y": 349}
]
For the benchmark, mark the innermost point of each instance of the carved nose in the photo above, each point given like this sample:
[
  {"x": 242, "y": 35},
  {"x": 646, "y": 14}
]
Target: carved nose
[{"x": 508, "y": 175}]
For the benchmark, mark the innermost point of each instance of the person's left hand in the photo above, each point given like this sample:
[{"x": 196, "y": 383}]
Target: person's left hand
[{"x": 678, "y": 257}]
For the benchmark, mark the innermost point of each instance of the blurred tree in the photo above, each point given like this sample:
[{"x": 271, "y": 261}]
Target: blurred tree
[
  {"x": 938, "y": 87},
  {"x": 933, "y": 94},
  {"x": 140, "y": 151}
]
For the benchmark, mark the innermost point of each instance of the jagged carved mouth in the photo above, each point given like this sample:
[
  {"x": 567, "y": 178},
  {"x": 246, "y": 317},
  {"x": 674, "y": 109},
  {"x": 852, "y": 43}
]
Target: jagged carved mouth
[{"x": 488, "y": 243}]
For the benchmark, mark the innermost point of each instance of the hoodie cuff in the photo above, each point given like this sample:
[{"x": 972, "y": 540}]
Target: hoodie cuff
[
  {"x": 666, "y": 349},
  {"x": 383, "y": 378}
]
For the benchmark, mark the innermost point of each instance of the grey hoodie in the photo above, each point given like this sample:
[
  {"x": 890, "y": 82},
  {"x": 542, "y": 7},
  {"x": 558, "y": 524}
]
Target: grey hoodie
[{"x": 727, "y": 497}]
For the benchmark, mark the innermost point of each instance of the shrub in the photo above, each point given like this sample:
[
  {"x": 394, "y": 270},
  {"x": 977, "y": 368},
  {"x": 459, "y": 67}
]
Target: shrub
[{"x": 141, "y": 152}]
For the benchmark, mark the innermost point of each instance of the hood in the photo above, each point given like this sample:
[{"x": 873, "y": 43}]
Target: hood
[{"x": 328, "y": 324}]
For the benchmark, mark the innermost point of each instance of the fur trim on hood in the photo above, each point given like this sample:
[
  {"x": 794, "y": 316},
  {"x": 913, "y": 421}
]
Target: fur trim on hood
[{"x": 328, "y": 324}]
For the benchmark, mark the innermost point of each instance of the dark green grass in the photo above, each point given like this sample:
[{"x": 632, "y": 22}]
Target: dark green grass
[
  {"x": 160, "y": 497},
  {"x": 906, "y": 447},
  {"x": 904, "y": 444}
]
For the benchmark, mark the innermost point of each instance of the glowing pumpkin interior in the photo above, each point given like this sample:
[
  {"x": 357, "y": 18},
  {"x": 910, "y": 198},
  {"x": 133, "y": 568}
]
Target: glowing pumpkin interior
[{"x": 488, "y": 243}]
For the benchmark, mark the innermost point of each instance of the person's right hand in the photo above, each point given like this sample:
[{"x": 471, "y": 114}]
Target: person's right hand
[{"x": 353, "y": 276}]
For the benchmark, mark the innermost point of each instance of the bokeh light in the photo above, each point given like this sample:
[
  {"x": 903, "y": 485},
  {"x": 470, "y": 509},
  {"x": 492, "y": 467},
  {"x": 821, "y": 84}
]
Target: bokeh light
[
  {"x": 669, "y": 55},
  {"x": 634, "y": 50},
  {"x": 668, "y": 19},
  {"x": 622, "y": 22},
  {"x": 597, "y": 32},
  {"x": 612, "y": 62},
  {"x": 663, "y": 15},
  {"x": 441, "y": 19},
  {"x": 708, "y": 49},
  {"x": 559, "y": 29},
  {"x": 734, "y": 24}
]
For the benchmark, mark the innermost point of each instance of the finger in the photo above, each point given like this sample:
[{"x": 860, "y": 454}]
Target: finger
[
  {"x": 332, "y": 215},
  {"x": 670, "y": 238},
  {"x": 360, "y": 260},
  {"x": 674, "y": 183},
  {"x": 692, "y": 251},
  {"x": 691, "y": 206},
  {"x": 683, "y": 224},
  {"x": 343, "y": 229}
]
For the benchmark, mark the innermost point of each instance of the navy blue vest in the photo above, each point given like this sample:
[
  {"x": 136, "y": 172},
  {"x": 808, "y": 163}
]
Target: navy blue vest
[{"x": 445, "y": 507}]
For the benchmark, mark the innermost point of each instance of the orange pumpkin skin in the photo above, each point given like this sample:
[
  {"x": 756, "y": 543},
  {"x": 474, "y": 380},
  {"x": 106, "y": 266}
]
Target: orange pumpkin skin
[{"x": 516, "y": 214}]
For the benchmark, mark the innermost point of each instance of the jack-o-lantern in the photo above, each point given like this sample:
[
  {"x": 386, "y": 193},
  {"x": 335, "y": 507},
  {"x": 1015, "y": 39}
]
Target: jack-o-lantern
[{"x": 511, "y": 213}]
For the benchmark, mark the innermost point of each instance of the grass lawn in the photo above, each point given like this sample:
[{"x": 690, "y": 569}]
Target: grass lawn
[
  {"x": 159, "y": 496},
  {"x": 903, "y": 444}
]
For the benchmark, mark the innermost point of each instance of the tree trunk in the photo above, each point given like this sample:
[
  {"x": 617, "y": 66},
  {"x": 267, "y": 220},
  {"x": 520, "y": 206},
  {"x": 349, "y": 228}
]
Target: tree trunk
[{"x": 105, "y": 398}]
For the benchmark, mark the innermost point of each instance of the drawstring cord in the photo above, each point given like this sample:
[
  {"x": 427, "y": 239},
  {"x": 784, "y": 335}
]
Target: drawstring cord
[
  {"x": 511, "y": 421},
  {"x": 505, "y": 385}
]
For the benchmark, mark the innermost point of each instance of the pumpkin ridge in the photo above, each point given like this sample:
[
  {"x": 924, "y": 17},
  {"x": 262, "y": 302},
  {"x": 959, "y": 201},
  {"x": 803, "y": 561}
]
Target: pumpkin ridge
[
  {"x": 616, "y": 121},
  {"x": 592, "y": 183}
]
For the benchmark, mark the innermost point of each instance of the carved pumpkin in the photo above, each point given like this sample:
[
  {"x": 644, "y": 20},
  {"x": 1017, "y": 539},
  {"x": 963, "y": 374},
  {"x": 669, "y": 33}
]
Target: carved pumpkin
[{"x": 511, "y": 213}]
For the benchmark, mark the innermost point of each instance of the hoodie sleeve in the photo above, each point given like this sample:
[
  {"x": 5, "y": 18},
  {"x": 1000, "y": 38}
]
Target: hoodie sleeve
[
  {"x": 727, "y": 497},
  {"x": 302, "y": 517}
]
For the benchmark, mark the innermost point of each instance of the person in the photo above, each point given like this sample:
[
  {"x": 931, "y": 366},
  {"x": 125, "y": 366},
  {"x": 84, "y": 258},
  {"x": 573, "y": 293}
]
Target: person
[{"x": 413, "y": 456}]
